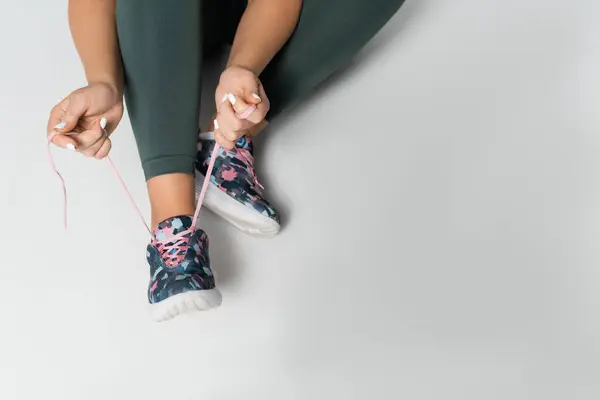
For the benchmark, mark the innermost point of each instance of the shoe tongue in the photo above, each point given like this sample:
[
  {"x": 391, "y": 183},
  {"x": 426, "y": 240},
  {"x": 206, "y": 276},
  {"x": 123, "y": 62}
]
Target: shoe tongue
[{"x": 172, "y": 226}]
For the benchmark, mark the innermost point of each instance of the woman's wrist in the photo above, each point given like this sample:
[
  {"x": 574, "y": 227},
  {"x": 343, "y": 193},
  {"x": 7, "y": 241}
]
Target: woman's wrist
[
  {"x": 248, "y": 66},
  {"x": 113, "y": 82},
  {"x": 114, "y": 85}
]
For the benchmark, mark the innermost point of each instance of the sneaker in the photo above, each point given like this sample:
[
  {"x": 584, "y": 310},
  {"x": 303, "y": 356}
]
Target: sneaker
[
  {"x": 181, "y": 279},
  {"x": 235, "y": 193}
]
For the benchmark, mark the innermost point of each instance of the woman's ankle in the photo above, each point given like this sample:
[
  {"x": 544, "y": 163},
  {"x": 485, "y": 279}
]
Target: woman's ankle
[{"x": 171, "y": 195}]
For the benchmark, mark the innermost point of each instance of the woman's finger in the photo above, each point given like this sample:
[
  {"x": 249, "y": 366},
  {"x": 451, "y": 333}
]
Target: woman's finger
[
  {"x": 256, "y": 114},
  {"x": 65, "y": 141},
  {"x": 92, "y": 149},
  {"x": 107, "y": 124},
  {"x": 229, "y": 123},
  {"x": 54, "y": 123},
  {"x": 253, "y": 97},
  {"x": 87, "y": 139},
  {"x": 223, "y": 141},
  {"x": 90, "y": 141},
  {"x": 259, "y": 99},
  {"x": 104, "y": 149},
  {"x": 240, "y": 106}
]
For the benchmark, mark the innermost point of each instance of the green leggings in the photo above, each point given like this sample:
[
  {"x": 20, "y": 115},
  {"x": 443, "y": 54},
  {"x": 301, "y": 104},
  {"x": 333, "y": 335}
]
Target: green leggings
[{"x": 164, "y": 44}]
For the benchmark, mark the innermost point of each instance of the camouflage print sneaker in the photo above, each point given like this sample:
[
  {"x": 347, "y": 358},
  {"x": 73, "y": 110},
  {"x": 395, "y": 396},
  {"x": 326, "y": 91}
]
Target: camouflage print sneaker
[
  {"x": 235, "y": 193},
  {"x": 181, "y": 278}
]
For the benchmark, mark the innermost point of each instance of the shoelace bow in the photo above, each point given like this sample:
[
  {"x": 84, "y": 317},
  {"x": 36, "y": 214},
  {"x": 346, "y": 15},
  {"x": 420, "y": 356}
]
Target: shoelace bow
[{"x": 169, "y": 245}]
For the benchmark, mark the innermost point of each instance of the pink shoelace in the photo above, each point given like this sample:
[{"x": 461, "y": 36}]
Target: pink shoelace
[{"x": 174, "y": 243}]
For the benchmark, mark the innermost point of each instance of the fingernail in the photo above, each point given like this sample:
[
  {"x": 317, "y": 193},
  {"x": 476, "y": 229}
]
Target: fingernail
[
  {"x": 231, "y": 98},
  {"x": 257, "y": 97},
  {"x": 103, "y": 123},
  {"x": 71, "y": 147},
  {"x": 60, "y": 125},
  {"x": 216, "y": 124}
]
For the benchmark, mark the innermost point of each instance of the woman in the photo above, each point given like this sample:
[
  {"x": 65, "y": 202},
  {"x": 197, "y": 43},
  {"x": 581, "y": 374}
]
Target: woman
[{"x": 151, "y": 52}]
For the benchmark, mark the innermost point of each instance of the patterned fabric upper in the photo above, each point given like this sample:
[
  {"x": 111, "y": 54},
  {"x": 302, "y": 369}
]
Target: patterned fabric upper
[
  {"x": 234, "y": 174},
  {"x": 180, "y": 265}
]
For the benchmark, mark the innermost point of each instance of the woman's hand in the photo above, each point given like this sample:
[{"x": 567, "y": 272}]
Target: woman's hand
[
  {"x": 86, "y": 118},
  {"x": 238, "y": 90}
]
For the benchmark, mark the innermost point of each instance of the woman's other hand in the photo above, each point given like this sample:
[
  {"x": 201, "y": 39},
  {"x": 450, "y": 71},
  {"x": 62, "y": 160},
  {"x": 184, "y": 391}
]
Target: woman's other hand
[
  {"x": 239, "y": 89},
  {"x": 86, "y": 118}
]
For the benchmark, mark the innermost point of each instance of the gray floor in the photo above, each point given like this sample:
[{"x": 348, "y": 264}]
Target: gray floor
[{"x": 441, "y": 241}]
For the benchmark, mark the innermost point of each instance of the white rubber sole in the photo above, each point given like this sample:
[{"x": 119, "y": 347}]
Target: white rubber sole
[
  {"x": 243, "y": 218},
  {"x": 195, "y": 300}
]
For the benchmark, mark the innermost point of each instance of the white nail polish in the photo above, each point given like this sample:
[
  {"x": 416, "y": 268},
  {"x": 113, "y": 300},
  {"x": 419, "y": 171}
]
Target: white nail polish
[
  {"x": 103, "y": 123},
  {"x": 257, "y": 97},
  {"x": 216, "y": 123},
  {"x": 70, "y": 146},
  {"x": 60, "y": 125},
  {"x": 231, "y": 98}
]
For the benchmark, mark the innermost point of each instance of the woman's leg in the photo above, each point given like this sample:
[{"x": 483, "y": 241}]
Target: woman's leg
[
  {"x": 161, "y": 50},
  {"x": 328, "y": 35}
]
